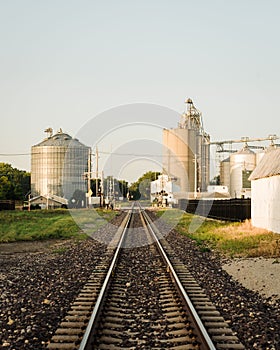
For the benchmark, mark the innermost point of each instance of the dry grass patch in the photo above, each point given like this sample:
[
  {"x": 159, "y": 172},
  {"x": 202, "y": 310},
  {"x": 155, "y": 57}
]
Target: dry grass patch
[
  {"x": 245, "y": 240},
  {"x": 232, "y": 239}
]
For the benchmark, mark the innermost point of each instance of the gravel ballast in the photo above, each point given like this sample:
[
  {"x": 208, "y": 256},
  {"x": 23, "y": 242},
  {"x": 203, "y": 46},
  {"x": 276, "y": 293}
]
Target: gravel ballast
[
  {"x": 38, "y": 285},
  {"x": 254, "y": 318},
  {"x": 37, "y": 289}
]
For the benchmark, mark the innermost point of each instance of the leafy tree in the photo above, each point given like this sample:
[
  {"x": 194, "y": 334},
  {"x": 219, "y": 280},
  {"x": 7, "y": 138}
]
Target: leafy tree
[
  {"x": 14, "y": 183},
  {"x": 141, "y": 189},
  {"x": 5, "y": 187},
  {"x": 216, "y": 180},
  {"x": 120, "y": 187}
]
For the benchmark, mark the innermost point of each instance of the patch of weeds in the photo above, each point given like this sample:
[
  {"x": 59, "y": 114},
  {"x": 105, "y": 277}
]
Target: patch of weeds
[
  {"x": 205, "y": 249},
  {"x": 60, "y": 250}
]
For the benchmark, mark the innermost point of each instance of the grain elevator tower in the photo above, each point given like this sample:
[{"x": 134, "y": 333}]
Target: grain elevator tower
[{"x": 186, "y": 153}]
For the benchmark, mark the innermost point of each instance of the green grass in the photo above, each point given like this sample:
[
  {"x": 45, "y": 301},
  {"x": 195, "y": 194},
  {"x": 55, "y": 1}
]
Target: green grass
[
  {"x": 49, "y": 224},
  {"x": 231, "y": 239}
]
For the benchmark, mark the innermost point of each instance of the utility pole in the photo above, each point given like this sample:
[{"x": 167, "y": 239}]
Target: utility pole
[
  {"x": 88, "y": 176},
  {"x": 195, "y": 176},
  {"x": 96, "y": 176}
]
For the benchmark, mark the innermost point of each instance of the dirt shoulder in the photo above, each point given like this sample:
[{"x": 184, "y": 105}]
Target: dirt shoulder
[
  {"x": 32, "y": 247},
  {"x": 257, "y": 274}
]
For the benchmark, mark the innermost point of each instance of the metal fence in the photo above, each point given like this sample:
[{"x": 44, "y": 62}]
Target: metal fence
[{"x": 227, "y": 209}]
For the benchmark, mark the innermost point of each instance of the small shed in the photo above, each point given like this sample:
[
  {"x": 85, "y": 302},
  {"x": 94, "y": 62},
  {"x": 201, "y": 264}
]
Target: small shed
[
  {"x": 265, "y": 186},
  {"x": 49, "y": 202}
]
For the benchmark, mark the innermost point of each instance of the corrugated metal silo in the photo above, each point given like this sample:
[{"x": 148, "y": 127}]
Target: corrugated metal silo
[
  {"x": 225, "y": 172},
  {"x": 242, "y": 163},
  {"x": 58, "y": 164}
]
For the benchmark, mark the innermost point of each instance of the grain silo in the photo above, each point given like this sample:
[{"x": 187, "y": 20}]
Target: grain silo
[
  {"x": 242, "y": 163},
  {"x": 58, "y": 164},
  {"x": 186, "y": 153},
  {"x": 225, "y": 172}
]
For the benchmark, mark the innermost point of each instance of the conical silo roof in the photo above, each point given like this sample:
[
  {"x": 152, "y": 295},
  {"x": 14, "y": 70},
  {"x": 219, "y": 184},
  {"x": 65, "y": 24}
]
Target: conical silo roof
[{"x": 61, "y": 139}]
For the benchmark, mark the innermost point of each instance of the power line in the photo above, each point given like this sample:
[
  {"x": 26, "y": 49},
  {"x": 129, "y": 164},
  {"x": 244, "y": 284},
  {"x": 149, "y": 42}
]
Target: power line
[{"x": 14, "y": 154}]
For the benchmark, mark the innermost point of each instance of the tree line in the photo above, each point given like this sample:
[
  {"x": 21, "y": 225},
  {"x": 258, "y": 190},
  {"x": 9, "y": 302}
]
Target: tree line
[{"x": 14, "y": 183}]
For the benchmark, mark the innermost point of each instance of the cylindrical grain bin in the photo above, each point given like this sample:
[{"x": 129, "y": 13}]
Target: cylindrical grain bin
[
  {"x": 242, "y": 163},
  {"x": 58, "y": 166},
  {"x": 225, "y": 172}
]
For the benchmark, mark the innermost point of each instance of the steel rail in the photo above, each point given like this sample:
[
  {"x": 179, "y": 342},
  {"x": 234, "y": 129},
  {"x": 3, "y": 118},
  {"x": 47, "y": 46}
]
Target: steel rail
[
  {"x": 84, "y": 345},
  {"x": 207, "y": 341}
]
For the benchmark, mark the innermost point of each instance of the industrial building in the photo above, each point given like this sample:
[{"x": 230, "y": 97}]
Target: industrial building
[
  {"x": 162, "y": 191},
  {"x": 242, "y": 163},
  {"x": 236, "y": 169},
  {"x": 186, "y": 154},
  {"x": 58, "y": 165},
  {"x": 265, "y": 181}
]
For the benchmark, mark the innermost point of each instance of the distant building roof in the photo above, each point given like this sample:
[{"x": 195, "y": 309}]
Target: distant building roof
[
  {"x": 51, "y": 199},
  {"x": 268, "y": 166}
]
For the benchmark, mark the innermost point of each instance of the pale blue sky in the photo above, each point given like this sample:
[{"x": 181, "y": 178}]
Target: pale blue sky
[{"x": 63, "y": 62}]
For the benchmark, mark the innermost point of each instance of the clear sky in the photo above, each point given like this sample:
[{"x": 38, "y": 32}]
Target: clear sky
[{"x": 63, "y": 62}]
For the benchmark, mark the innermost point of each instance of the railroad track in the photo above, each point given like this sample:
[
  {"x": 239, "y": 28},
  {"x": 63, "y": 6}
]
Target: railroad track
[{"x": 141, "y": 296}]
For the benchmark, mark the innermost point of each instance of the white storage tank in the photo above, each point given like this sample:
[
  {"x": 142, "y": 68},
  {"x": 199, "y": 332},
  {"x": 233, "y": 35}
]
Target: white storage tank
[
  {"x": 58, "y": 164},
  {"x": 242, "y": 163},
  {"x": 225, "y": 172}
]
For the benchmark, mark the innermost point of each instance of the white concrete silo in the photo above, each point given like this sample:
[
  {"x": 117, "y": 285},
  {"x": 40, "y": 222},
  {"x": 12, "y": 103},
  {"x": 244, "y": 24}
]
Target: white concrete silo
[
  {"x": 242, "y": 163},
  {"x": 186, "y": 153}
]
